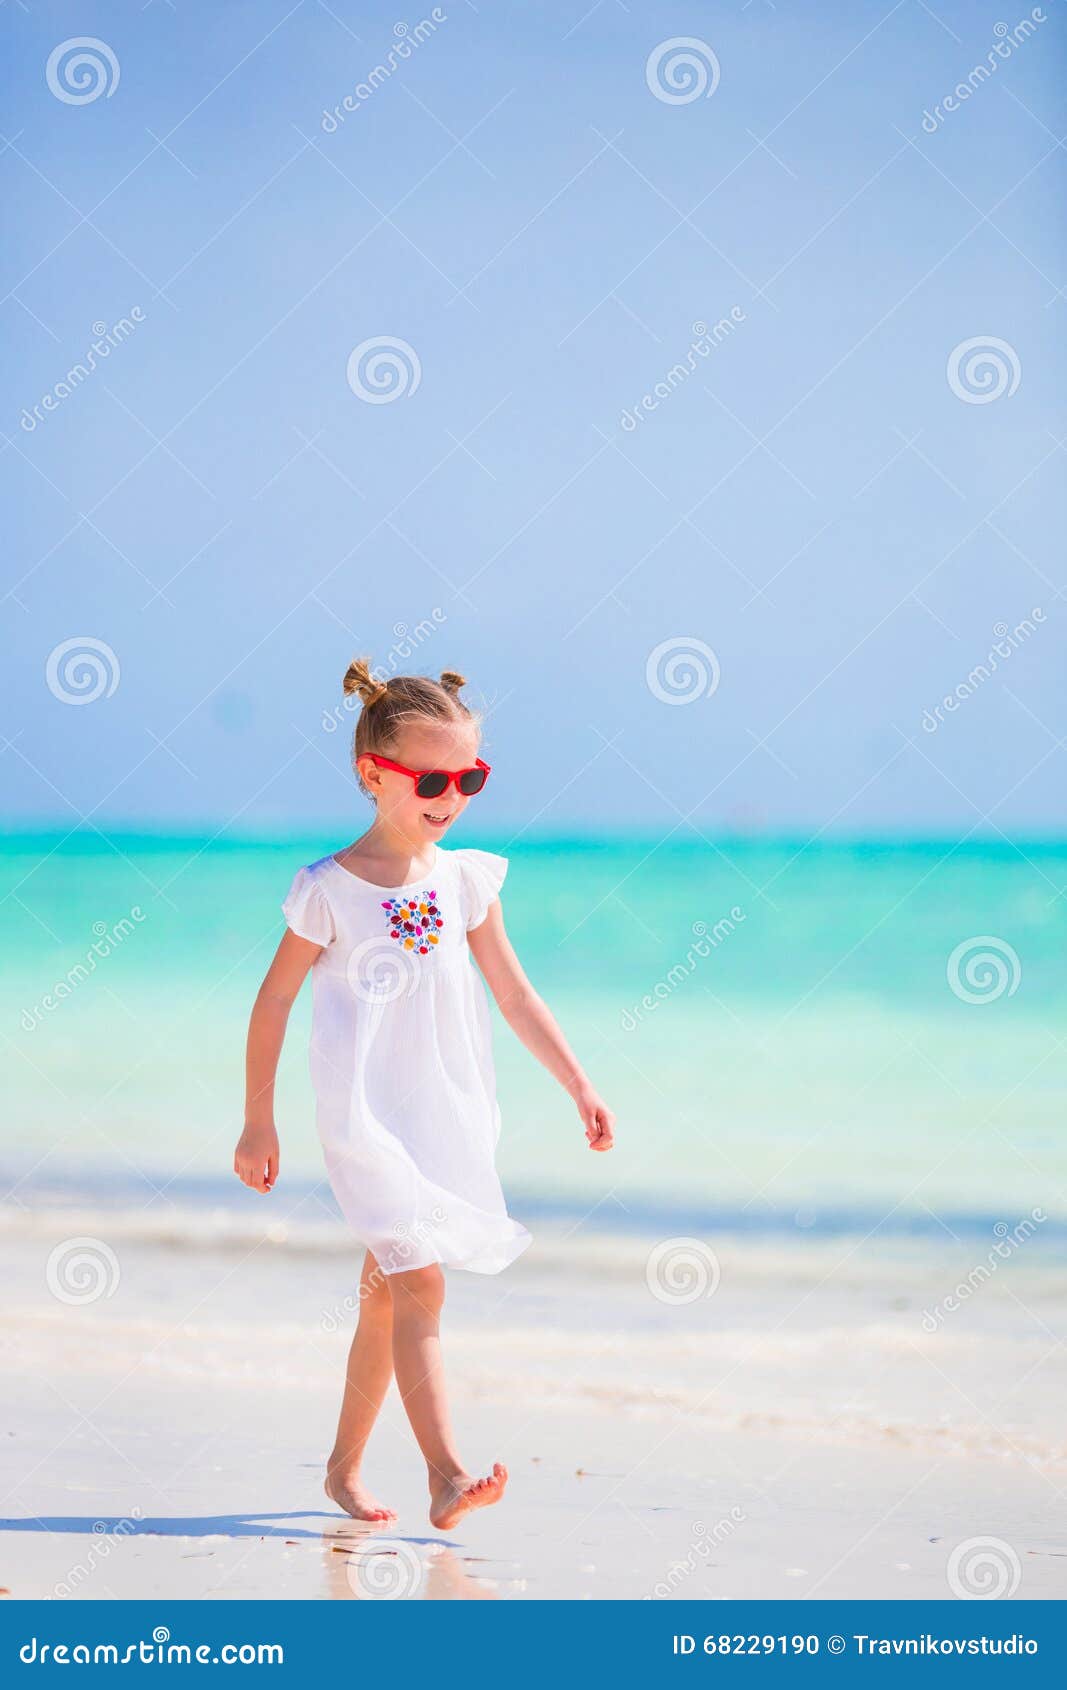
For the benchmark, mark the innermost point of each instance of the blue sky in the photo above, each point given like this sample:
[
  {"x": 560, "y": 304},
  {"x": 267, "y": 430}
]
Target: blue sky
[{"x": 813, "y": 503}]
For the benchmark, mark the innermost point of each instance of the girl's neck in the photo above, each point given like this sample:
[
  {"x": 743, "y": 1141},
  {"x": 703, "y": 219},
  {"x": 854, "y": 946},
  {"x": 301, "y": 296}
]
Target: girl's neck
[{"x": 386, "y": 848}]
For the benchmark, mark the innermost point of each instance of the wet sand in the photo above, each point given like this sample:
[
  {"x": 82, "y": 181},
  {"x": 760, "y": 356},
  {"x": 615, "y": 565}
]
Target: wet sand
[{"x": 791, "y": 1436}]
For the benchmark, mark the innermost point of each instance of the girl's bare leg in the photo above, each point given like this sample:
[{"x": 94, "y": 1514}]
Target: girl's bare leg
[
  {"x": 370, "y": 1368},
  {"x": 418, "y": 1297}
]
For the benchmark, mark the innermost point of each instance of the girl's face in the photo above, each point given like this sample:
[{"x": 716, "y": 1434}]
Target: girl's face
[{"x": 421, "y": 746}]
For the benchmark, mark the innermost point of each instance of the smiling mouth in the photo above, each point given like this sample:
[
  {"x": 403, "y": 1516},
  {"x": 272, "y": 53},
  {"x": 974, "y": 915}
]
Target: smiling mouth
[{"x": 435, "y": 821}]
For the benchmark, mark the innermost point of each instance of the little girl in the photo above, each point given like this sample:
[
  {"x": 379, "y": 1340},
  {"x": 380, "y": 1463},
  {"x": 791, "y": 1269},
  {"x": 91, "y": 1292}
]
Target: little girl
[{"x": 402, "y": 1065}]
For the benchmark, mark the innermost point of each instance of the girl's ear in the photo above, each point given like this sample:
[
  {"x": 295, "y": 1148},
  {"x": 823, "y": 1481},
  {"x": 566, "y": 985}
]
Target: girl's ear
[{"x": 369, "y": 773}]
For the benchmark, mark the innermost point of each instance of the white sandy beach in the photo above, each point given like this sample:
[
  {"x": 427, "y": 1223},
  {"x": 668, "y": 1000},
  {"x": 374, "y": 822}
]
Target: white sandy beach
[{"x": 798, "y": 1434}]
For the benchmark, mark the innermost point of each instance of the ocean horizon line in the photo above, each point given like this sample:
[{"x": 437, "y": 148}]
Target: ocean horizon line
[{"x": 206, "y": 835}]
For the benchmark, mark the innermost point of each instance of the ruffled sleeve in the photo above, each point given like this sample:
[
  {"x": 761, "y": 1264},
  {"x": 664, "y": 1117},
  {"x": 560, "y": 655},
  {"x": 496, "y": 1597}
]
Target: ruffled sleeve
[
  {"x": 306, "y": 910},
  {"x": 483, "y": 876}
]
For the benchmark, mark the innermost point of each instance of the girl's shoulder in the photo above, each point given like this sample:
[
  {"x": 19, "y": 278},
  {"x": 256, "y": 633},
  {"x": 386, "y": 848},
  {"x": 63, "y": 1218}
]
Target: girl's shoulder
[
  {"x": 481, "y": 875},
  {"x": 320, "y": 869},
  {"x": 306, "y": 906}
]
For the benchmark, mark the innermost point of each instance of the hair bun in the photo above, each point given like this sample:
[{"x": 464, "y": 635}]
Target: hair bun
[
  {"x": 358, "y": 678},
  {"x": 451, "y": 681}
]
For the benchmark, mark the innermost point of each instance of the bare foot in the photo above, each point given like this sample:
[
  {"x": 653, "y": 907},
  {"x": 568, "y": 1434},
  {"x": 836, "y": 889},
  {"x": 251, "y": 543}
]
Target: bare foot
[
  {"x": 451, "y": 1498},
  {"x": 350, "y": 1495}
]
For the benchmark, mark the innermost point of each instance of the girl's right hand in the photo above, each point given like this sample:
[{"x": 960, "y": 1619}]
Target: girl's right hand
[{"x": 255, "y": 1161}]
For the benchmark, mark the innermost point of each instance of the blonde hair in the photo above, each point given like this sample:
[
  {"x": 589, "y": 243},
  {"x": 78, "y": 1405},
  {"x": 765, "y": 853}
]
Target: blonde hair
[{"x": 390, "y": 706}]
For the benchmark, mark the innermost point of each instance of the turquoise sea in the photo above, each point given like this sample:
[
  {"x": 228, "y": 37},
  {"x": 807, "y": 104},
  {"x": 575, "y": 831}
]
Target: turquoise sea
[{"x": 773, "y": 1021}]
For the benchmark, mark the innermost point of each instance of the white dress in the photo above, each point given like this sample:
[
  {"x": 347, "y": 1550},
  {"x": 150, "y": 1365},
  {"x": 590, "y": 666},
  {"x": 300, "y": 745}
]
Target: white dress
[{"x": 401, "y": 1060}]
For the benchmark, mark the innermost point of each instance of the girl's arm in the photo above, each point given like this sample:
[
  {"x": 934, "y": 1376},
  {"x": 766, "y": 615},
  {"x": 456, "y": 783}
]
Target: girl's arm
[
  {"x": 531, "y": 1020},
  {"x": 255, "y": 1161}
]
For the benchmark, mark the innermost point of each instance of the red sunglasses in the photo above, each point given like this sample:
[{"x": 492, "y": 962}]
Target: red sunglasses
[{"x": 431, "y": 783}]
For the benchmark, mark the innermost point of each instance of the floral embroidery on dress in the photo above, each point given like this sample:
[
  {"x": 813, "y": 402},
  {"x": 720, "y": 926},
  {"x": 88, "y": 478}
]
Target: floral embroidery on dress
[{"x": 415, "y": 922}]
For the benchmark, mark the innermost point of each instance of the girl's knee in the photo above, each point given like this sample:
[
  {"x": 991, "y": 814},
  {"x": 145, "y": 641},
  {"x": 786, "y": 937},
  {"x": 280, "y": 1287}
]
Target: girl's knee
[
  {"x": 375, "y": 1303},
  {"x": 418, "y": 1288}
]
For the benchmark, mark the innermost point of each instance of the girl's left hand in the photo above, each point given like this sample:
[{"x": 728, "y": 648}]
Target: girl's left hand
[{"x": 597, "y": 1119}]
